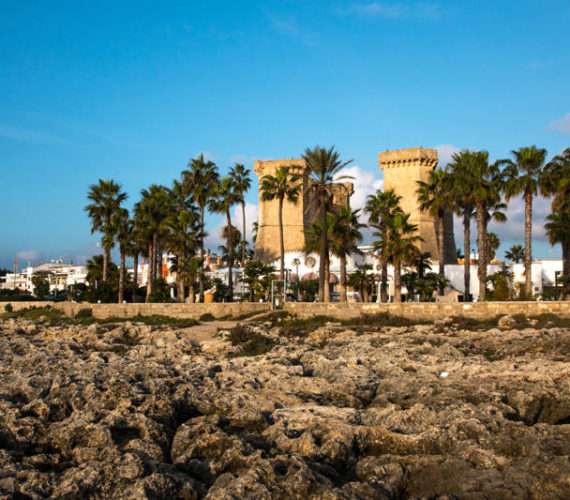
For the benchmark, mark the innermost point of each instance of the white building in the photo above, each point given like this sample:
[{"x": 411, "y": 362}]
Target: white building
[
  {"x": 302, "y": 267},
  {"x": 59, "y": 274}
]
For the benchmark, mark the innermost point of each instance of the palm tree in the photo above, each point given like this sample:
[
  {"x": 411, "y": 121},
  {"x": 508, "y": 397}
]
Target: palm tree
[
  {"x": 136, "y": 248},
  {"x": 486, "y": 188},
  {"x": 235, "y": 235},
  {"x": 524, "y": 176},
  {"x": 152, "y": 213},
  {"x": 284, "y": 185},
  {"x": 493, "y": 243},
  {"x": 242, "y": 181},
  {"x": 463, "y": 203},
  {"x": 422, "y": 263},
  {"x": 95, "y": 273},
  {"x": 515, "y": 254},
  {"x": 203, "y": 179},
  {"x": 183, "y": 229},
  {"x": 323, "y": 166},
  {"x": 556, "y": 181},
  {"x": 381, "y": 208},
  {"x": 435, "y": 197},
  {"x": 558, "y": 231},
  {"x": 398, "y": 246},
  {"x": 362, "y": 280},
  {"x": 224, "y": 199},
  {"x": 187, "y": 270},
  {"x": 123, "y": 231},
  {"x": 106, "y": 198},
  {"x": 344, "y": 233}
]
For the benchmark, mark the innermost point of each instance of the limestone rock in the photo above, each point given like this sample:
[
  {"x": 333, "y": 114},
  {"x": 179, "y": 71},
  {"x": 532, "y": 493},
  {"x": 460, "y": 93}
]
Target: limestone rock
[{"x": 128, "y": 411}]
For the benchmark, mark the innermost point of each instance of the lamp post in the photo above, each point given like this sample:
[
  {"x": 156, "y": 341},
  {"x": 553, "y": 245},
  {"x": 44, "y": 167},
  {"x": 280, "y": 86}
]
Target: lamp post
[{"x": 296, "y": 261}]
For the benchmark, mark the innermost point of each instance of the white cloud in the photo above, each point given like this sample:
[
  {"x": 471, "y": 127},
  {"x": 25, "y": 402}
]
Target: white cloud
[
  {"x": 290, "y": 27},
  {"x": 29, "y": 255},
  {"x": 445, "y": 152},
  {"x": 562, "y": 125},
  {"x": 511, "y": 231},
  {"x": 365, "y": 183},
  {"x": 395, "y": 10},
  {"x": 214, "y": 238},
  {"x": 29, "y": 135}
]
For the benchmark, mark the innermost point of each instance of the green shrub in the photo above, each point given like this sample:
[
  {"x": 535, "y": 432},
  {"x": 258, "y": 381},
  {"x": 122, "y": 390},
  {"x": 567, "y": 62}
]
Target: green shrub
[
  {"x": 160, "y": 292},
  {"x": 249, "y": 341},
  {"x": 207, "y": 317},
  {"x": 84, "y": 313},
  {"x": 8, "y": 308}
]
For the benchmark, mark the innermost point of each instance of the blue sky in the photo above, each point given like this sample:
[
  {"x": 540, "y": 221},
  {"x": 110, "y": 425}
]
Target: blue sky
[{"x": 132, "y": 90}]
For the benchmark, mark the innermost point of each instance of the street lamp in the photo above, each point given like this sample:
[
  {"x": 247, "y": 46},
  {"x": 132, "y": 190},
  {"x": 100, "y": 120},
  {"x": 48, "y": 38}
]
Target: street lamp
[{"x": 297, "y": 262}]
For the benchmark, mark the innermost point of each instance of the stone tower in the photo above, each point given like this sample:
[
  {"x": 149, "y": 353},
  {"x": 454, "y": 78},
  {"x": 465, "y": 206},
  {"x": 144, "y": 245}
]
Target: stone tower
[
  {"x": 402, "y": 169},
  {"x": 295, "y": 216}
]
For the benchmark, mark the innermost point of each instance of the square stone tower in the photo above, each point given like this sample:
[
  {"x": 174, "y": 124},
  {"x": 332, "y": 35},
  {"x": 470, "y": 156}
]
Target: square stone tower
[
  {"x": 296, "y": 217},
  {"x": 402, "y": 169}
]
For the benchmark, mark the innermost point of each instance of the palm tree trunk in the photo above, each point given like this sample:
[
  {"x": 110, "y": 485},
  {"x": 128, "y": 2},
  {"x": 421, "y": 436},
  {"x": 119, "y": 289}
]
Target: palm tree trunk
[
  {"x": 158, "y": 258},
  {"x": 135, "y": 275},
  {"x": 201, "y": 273},
  {"x": 150, "y": 268},
  {"x": 466, "y": 259},
  {"x": 565, "y": 267},
  {"x": 482, "y": 250},
  {"x": 527, "y": 245},
  {"x": 106, "y": 258},
  {"x": 106, "y": 249},
  {"x": 397, "y": 282},
  {"x": 180, "y": 292},
  {"x": 343, "y": 297},
  {"x": 122, "y": 273},
  {"x": 323, "y": 249},
  {"x": 281, "y": 243},
  {"x": 441, "y": 250},
  {"x": 191, "y": 290},
  {"x": 383, "y": 281},
  {"x": 327, "y": 280},
  {"x": 182, "y": 278},
  {"x": 243, "y": 234},
  {"x": 230, "y": 259}
]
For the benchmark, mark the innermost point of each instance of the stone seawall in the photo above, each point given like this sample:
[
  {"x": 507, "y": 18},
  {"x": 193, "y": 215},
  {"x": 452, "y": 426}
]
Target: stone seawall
[
  {"x": 428, "y": 310},
  {"x": 416, "y": 311},
  {"x": 193, "y": 311}
]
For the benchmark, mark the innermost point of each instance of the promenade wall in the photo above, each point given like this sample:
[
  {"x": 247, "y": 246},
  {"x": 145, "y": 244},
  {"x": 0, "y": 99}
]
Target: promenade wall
[
  {"x": 417, "y": 311},
  {"x": 193, "y": 311},
  {"x": 428, "y": 310}
]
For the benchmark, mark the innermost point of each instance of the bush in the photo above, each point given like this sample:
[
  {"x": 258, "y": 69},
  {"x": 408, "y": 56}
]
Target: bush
[
  {"x": 207, "y": 317},
  {"x": 249, "y": 341},
  {"x": 84, "y": 313},
  {"x": 104, "y": 293},
  {"x": 8, "y": 308},
  {"x": 160, "y": 292}
]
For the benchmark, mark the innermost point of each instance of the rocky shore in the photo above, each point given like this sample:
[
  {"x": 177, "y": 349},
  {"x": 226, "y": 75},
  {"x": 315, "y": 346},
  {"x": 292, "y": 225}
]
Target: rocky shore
[{"x": 423, "y": 411}]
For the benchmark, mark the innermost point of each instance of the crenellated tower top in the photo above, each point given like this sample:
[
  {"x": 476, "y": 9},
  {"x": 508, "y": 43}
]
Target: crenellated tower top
[{"x": 422, "y": 157}]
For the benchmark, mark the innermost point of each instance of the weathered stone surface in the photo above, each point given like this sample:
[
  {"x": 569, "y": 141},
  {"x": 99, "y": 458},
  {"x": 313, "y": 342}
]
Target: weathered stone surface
[
  {"x": 419, "y": 412},
  {"x": 402, "y": 169},
  {"x": 296, "y": 216}
]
